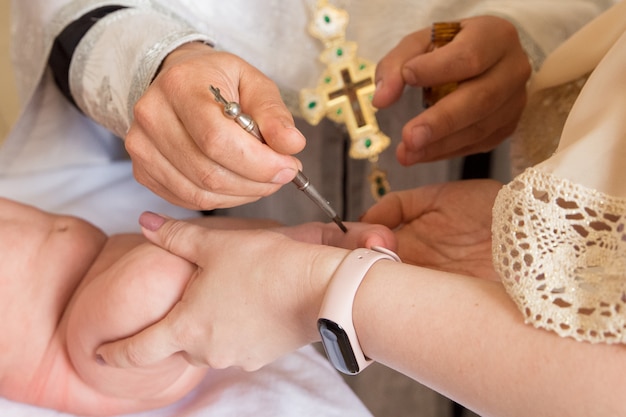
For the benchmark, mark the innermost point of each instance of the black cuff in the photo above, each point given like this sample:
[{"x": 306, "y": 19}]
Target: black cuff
[{"x": 66, "y": 42}]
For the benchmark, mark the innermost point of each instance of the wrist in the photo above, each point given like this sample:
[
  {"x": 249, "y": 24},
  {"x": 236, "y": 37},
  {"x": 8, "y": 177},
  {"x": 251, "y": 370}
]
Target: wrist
[
  {"x": 190, "y": 47},
  {"x": 335, "y": 319},
  {"x": 194, "y": 47},
  {"x": 324, "y": 263}
]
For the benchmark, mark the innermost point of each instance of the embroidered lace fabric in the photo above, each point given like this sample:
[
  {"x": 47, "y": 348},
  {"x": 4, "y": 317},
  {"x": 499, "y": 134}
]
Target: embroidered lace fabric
[{"x": 560, "y": 249}]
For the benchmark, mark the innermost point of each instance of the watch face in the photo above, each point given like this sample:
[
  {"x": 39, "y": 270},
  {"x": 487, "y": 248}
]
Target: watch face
[{"x": 337, "y": 346}]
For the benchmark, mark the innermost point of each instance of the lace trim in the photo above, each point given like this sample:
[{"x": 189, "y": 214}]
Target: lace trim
[{"x": 560, "y": 249}]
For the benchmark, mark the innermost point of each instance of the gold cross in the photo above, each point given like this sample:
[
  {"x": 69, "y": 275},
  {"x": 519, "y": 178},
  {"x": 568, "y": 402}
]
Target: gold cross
[{"x": 345, "y": 90}]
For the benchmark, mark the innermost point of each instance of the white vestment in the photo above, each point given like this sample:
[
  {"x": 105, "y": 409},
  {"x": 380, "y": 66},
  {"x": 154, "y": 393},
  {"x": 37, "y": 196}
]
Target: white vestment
[
  {"x": 59, "y": 159},
  {"x": 272, "y": 36}
]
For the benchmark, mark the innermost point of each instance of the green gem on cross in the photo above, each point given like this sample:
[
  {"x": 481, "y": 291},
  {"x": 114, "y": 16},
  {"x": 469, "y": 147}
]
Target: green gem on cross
[
  {"x": 312, "y": 105},
  {"x": 327, "y": 18},
  {"x": 381, "y": 189},
  {"x": 368, "y": 143},
  {"x": 339, "y": 52}
]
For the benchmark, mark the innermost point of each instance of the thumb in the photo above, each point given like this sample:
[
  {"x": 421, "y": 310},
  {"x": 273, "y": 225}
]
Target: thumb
[
  {"x": 147, "y": 347},
  {"x": 388, "y": 212},
  {"x": 158, "y": 341},
  {"x": 175, "y": 236},
  {"x": 266, "y": 106}
]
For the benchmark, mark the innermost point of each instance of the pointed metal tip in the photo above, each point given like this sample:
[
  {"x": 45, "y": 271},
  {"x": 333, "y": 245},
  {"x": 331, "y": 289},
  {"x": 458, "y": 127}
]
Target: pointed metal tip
[{"x": 339, "y": 223}]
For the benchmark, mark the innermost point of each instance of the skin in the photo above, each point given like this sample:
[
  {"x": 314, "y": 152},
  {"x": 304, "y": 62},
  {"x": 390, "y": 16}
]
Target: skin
[
  {"x": 68, "y": 288},
  {"x": 185, "y": 150},
  {"x": 459, "y": 335},
  {"x": 492, "y": 69},
  {"x": 68, "y": 282},
  {"x": 434, "y": 228}
]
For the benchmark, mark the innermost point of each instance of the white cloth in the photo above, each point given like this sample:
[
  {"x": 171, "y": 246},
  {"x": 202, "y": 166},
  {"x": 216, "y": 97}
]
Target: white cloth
[
  {"x": 301, "y": 384},
  {"x": 58, "y": 159},
  {"x": 598, "y": 115},
  {"x": 560, "y": 227},
  {"x": 70, "y": 165}
]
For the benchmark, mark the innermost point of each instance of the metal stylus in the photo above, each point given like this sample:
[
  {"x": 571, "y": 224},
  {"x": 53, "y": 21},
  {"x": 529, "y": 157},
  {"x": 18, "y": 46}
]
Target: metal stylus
[{"x": 233, "y": 110}]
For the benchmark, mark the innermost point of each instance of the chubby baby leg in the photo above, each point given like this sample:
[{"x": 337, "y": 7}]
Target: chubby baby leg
[{"x": 127, "y": 293}]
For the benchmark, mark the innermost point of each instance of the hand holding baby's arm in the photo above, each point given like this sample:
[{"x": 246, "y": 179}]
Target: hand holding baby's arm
[{"x": 252, "y": 286}]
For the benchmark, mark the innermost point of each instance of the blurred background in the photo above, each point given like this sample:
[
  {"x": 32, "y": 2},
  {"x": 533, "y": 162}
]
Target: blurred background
[{"x": 8, "y": 94}]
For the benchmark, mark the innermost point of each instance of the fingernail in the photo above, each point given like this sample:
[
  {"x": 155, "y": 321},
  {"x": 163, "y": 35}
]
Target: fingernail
[
  {"x": 151, "y": 221},
  {"x": 284, "y": 176},
  {"x": 420, "y": 137},
  {"x": 100, "y": 360}
]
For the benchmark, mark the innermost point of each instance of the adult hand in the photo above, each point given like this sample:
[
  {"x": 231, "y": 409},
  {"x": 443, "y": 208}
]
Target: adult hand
[
  {"x": 487, "y": 60},
  {"x": 443, "y": 226},
  {"x": 186, "y": 150},
  {"x": 255, "y": 296},
  {"x": 359, "y": 235}
]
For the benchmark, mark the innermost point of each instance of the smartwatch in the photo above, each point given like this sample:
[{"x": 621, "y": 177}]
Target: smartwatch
[{"x": 335, "y": 318}]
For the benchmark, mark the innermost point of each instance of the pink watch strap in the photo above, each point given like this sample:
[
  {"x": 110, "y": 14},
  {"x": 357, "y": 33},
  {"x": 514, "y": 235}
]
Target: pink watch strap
[{"x": 339, "y": 298}]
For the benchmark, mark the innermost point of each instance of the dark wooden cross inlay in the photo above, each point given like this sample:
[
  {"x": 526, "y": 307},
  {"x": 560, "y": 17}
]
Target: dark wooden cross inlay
[{"x": 350, "y": 90}]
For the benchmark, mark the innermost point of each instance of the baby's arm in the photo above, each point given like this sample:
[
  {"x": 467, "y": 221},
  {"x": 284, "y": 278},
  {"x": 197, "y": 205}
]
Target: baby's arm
[{"x": 129, "y": 288}]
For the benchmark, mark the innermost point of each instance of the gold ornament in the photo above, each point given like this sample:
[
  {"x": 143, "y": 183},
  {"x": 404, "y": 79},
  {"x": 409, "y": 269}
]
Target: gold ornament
[{"x": 345, "y": 90}]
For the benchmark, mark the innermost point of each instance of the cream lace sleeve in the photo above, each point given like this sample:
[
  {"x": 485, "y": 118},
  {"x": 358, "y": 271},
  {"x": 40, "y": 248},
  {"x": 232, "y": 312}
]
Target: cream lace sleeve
[
  {"x": 560, "y": 249},
  {"x": 559, "y": 229}
]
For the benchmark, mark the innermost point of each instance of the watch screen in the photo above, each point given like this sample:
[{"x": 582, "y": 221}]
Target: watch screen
[{"x": 337, "y": 346}]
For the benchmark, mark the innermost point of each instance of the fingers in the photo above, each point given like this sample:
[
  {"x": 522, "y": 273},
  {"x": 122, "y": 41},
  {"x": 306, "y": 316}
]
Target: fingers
[
  {"x": 261, "y": 99},
  {"x": 482, "y": 43},
  {"x": 359, "y": 235},
  {"x": 190, "y": 179},
  {"x": 387, "y": 211},
  {"x": 476, "y": 117},
  {"x": 389, "y": 77},
  {"x": 491, "y": 67},
  {"x": 185, "y": 149},
  {"x": 222, "y": 140},
  {"x": 454, "y": 128},
  {"x": 399, "y": 207},
  {"x": 143, "y": 349},
  {"x": 196, "y": 130},
  {"x": 181, "y": 238}
]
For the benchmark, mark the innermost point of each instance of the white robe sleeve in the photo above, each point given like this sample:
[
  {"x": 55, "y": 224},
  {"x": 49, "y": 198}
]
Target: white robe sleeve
[
  {"x": 108, "y": 77},
  {"x": 114, "y": 62}
]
